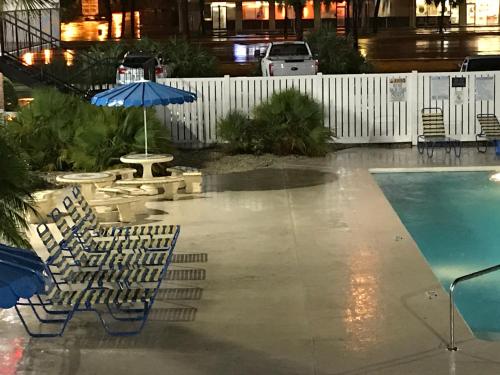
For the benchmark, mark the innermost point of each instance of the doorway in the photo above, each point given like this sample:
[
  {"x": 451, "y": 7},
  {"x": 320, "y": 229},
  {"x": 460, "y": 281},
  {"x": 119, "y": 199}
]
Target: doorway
[
  {"x": 340, "y": 15},
  {"x": 471, "y": 13},
  {"x": 219, "y": 17}
]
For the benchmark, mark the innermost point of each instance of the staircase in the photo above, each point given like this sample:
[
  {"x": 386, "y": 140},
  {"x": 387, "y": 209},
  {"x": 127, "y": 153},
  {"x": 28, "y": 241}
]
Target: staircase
[{"x": 21, "y": 38}]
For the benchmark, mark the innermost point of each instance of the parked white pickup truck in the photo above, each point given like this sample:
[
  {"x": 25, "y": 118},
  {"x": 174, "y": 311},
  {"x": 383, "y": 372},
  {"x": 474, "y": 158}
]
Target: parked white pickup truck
[{"x": 288, "y": 59}]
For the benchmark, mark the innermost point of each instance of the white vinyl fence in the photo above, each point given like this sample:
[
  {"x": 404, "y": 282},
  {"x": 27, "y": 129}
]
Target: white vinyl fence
[{"x": 362, "y": 108}]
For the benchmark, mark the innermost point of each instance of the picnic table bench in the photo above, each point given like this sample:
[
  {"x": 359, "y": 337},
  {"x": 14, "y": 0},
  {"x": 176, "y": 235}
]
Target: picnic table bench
[{"x": 169, "y": 184}]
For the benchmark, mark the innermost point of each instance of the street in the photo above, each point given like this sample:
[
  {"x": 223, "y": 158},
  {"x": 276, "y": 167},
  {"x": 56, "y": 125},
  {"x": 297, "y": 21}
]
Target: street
[{"x": 391, "y": 50}]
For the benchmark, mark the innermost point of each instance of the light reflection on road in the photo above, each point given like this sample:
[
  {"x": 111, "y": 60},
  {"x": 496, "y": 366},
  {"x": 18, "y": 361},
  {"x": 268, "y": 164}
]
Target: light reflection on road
[{"x": 97, "y": 30}]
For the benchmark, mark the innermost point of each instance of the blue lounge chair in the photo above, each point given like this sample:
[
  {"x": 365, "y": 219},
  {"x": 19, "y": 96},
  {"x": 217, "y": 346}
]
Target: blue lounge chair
[
  {"x": 99, "y": 230},
  {"x": 124, "y": 305}
]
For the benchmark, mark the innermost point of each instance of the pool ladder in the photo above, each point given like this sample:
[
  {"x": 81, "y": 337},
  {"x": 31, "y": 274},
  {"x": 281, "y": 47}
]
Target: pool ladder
[{"x": 473, "y": 275}]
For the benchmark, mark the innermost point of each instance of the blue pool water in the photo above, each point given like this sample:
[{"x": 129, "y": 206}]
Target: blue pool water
[{"x": 454, "y": 217}]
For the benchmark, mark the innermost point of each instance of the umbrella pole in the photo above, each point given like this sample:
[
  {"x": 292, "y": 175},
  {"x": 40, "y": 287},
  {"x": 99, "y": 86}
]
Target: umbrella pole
[{"x": 145, "y": 132}]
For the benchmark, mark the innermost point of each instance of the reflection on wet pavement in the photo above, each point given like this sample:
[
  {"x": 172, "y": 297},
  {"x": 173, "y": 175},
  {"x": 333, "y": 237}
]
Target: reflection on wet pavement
[
  {"x": 11, "y": 354},
  {"x": 267, "y": 179},
  {"x": 362, "y": 303}
]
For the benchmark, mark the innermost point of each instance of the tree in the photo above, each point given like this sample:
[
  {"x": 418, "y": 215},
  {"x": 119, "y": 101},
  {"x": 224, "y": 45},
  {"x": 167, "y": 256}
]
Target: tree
[
  {"x": 442, "y": 3},
  {"x": 124, "y": 17},
  {"x": 298, "y": 9},
  {"x": 357, "y": 7},
  {"x": 375, "y": 16},
  {"x": 201, "y": 9},
  {"x": 27, "y": 4},
  {"x": 15, "y": 195},
  {"x": 183, "y": 9},
  {"x": 109, "y": 18},
  {"x": 132, "y": 18},
  {"x": 15, "y": 180}
]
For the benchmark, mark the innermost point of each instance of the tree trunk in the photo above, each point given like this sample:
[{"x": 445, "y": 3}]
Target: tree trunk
[
  {"x": 317, "y": 14},
  {"x": 109, "y": 18},
  {"x": 272, "y": 15},
  {"x": 185, "y": 11},
  {"x": 201, "y": 8},
  {"x": 347, "y": 20},
  {"x": 285, "y": 27},
  {"x": 441, "y": 17},
  {"x": 355, "y": 21},
  {"x": 2, "y": 96},
  {"x": 182, "y": 6},
  {"x": 132, "y": 18},
  {"x": 298, "y": 10},
  {"x": 375, "y": 16},
  {"x": 124, "y": 15}
]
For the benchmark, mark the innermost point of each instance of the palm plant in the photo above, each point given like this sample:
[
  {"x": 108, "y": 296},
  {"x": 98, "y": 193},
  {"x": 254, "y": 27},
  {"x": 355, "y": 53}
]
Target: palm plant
[
  {"x": 112, "y": 132},
  {"x": 15, "y": 195},
  {"x": 188, "y": 60},
  {"x": 289, "y": 123},
  {"x": 26, "y": 4},
  {"x": 239, "y": 132},
  {"x": 292, "y": 123},
  {"x": 59, "y": 132},
  {"x": 44, "y": 129},
  {"x": 336, "y": 54}
]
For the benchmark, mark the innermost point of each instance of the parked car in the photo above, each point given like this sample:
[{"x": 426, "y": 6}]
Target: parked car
[
  {"x": 480, "y": 63},
  {"x": 137, "y": 66},
  {"x": 288, "y": 59}
]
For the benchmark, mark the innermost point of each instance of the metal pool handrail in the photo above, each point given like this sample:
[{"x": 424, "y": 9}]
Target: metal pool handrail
[{"x": 458, "y": 280}]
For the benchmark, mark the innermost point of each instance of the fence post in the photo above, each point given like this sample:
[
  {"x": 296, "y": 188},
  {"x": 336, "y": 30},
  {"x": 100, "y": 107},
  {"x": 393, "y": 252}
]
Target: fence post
[
  {"x": 317, "y": 93},
  {"x": 412, "y": 97},
  {"x": 226, "y": 95}
]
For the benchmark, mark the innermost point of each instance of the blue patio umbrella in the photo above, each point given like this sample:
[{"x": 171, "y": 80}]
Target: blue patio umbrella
[
  {"x": 22, "y": 274},
  {"x": 142, "y": 94}
]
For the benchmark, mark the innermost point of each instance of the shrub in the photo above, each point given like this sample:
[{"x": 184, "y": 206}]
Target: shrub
[
  {"x": 335, "y": 54},
  {"x": 44, "y": 129},
  {"x": 289, "y": 123},
  {"x": 292, "y": 123},
  {"x": 15, "y": 195},
  {"x": 239, "y": 131},
  {"x": 10, "y": 95},
  {"x": 109, "y": 133},
  {"x": 60, "y": 132},
  {"x": 188, "y": 60}
]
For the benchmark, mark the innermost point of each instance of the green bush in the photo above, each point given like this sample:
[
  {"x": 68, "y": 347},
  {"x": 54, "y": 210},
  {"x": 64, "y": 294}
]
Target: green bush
[
  {"x": 239, "y": 131},
  {"x": 15, "y": 195},
  {"x": 335, "y": 54},
  {"x": 10, "y": 95},
  {"x": 188, "y": 60},
  {"x": 289, "y": 123},
  {"x": 44, "y": 129},
  {"x": 62, "y": 132},
  {"x": 292, "y": 123}
]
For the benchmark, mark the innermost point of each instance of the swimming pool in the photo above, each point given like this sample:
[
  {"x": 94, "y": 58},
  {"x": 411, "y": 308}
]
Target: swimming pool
[{"x": 454, "y": 217}]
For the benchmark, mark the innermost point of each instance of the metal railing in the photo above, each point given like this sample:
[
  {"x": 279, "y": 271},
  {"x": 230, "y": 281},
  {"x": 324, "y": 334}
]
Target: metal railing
[
  {"x": 473, "y": 275},
  {"x": 20, "y": 36}
]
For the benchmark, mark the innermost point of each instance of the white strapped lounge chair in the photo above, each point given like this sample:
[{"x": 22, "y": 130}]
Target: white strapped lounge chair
[
  {"x": 108, "y": 254},
  {"x": 89, "y": 215},
  {"x": 434, "y": 133},
  {"x": 67, "y": 270},
  {"x": 490, "y": 130}
]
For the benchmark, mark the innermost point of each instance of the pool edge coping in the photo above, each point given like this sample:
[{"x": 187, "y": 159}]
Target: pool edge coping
[{"x": 435, "y": 169}]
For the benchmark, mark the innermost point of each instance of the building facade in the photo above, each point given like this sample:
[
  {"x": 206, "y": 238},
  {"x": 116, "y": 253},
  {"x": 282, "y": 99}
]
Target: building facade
[{"x": 241, "y": 15}]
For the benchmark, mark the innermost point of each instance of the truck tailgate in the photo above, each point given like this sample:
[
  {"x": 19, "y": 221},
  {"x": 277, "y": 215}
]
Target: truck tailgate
[{"x": 291, "y": 67}]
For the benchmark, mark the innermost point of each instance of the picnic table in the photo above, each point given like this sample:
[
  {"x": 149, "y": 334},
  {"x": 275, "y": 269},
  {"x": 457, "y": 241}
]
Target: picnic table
[
  {"x": 88, "y": 182},
  {"x": 147, "y": 161}
]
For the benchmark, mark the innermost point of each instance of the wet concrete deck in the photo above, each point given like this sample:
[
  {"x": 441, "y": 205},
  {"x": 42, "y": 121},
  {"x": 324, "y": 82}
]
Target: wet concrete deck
[{"x": 308, "y": 271}]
